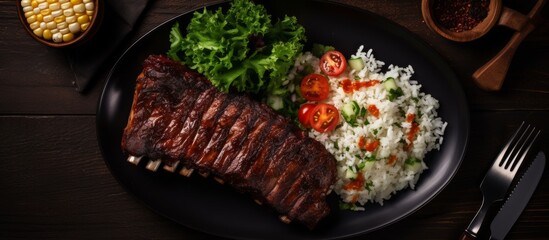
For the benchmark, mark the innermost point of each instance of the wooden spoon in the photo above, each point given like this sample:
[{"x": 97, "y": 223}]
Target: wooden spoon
[{"x": 491, "y": 75}]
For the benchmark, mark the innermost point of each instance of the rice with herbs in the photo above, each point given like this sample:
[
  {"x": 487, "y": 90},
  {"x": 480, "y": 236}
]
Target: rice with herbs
[{"x": 396, "y": 162}]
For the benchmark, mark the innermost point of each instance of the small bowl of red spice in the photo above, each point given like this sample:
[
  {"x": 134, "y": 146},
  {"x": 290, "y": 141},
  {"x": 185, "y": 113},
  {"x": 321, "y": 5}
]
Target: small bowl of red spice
[{"x": 463, "y": 20}]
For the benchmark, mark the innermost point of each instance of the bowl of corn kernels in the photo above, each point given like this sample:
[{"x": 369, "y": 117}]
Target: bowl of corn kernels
[{"x": 61, "y": 23}]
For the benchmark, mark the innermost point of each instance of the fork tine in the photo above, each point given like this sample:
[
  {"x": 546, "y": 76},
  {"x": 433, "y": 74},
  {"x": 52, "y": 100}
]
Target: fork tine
[
  {"x": 525, "y": 152},
  {"x": 511, "y": 155},
  {"x": 500, "y": 159}
]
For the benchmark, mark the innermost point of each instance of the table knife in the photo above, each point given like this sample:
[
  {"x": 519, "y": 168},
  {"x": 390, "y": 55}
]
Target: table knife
[{"x": 515, "y": 204}]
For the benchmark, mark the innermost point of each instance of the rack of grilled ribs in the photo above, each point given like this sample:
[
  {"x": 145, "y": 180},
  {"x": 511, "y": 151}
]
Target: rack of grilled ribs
[{"x": 179, "y": 118}]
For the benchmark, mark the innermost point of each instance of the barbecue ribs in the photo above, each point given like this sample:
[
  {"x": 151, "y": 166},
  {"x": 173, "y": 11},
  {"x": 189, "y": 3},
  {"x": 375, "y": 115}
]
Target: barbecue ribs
[{"x": 178, "y": 117}]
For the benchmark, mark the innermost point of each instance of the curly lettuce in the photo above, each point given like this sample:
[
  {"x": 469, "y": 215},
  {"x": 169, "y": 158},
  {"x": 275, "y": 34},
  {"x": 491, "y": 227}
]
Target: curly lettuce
[{"x": 240, "y": 50}]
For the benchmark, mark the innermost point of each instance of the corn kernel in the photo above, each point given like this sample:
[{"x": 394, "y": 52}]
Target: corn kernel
[
  {"x": 27, "y": 9},
  {"x": 25, "y": 3},
  {"x": 48, "y": 18},
  {"x": 89, "y": 12},
  {"x": 90, "y": 6},
  {"x": 57, "y": 13},
  {"x": 38, "y": 32},
  {"x": 36, "y": 10},
  {"x": 74, "y": 27},
  {"x": 52, "y": 1},
  {"x": 62, "y": 25},
  {"x": 70, "y": 19},
  {"x": 28, "y": 14},
  {"x": 63, "y": 1},
  {"x": 68, "y": 12},
  {"x": 34, "y": 4},
  {"x": 43, "y": 25},
  {"x": 47, "y": 34},
  {"x": 86, "y": 1},
  {"x": 39, "y": 17},
  {"x": 66, "y": 5},
  {"x": 51, "y": 25},
  {"x": 64, "y": 31},
  {"x": 84, "y": 26},
  {"x": 83, "y": 19},
  {"x": 57, "y": 37},
  {"x": 74, "y": 2},
  {"x": 79, "y": 8},
  {"x": 59, "y": 19},
  {"x": 68, "y": 37},
  {"x": 45, "y": 12},
  {"x": 54, "y": 31},
  {"x": 55, "y": 6},
  {"x": 43, "y": 5},
  {"x": 31, "y": 19},
  {"x": 40, "y": 1},
  {"x": 34, "y": 25}
]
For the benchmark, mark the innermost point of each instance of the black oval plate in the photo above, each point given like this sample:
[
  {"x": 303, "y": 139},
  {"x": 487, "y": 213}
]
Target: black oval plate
[{"x": 204, "y": 205}]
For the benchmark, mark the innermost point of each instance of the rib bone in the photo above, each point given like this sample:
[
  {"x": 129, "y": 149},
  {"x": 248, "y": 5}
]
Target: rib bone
[
  {"x": 186, "y": 171},
  {"x": 133, "y": 159},
  {"x": 171, "y": 168},
  {"x": 285, "y": 219},
  {"x": 154, "y": 164}
]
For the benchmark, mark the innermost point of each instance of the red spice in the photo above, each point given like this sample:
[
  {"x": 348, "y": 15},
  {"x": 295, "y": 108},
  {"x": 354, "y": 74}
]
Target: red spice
[
  {"x": 351, "y": 86},
  {"x": 410, "y": 117},
  {"x": 392, "y": 160},
  {"x": 370, "y": 145},
  {"x": 412, "y": 134},
  {"x": 355, "y": 184},
  {"x": 372, "y": 109},
  {"x": 459, "y": 16},
  {"x": 361, "y": 142}
]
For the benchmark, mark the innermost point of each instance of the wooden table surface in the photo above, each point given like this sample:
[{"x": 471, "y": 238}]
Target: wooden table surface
[{"x": 54, "y": 183}]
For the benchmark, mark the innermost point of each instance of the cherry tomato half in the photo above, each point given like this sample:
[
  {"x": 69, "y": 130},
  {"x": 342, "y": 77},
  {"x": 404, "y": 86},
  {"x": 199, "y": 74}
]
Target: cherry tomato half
[
  {"x": 333, "y": 63},
  {"x": 304, "y": 114},
  {"x": 324, "y": 117},
  {"x": 315, "y": 87}
]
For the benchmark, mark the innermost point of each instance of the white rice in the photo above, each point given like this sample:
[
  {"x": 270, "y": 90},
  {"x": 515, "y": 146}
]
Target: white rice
[{"x": 382, "y": 180}]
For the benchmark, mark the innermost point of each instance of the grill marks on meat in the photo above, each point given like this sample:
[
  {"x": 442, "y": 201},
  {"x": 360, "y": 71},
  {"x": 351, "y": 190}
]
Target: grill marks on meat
[{"x": 179, "y": 117}]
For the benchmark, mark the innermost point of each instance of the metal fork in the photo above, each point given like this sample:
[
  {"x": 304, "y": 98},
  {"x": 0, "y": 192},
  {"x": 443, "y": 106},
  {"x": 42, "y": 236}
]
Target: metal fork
[{"x": 499, "y": 177}]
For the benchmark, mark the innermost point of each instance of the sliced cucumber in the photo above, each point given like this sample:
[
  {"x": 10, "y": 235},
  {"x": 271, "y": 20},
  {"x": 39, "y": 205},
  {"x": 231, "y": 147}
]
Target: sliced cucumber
[
  {"x": 389, "y": 84},
  {"x": 368, "y": 164},
  {"x": 350, "y": 111},
  {"x": 356, "y": 63},
  {"x": 392, "y": 88},
  {"x": 350, "y": 174},
  {"x": 413, "y": 164}
]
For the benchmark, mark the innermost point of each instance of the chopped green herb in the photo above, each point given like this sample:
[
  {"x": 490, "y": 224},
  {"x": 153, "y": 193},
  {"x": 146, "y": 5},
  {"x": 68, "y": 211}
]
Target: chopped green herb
[
  {"x": 362, "y": 112},
  {"x": 395, "y": 93},
  {"x": 371, "y": 158},
  {"x": 347, "y": 206},
  {"x": 357, "y": 77},
  {"x": 361, "y": 165},
  {"x": 368, "y": 186},
  {"x": 412, "y": 161}
]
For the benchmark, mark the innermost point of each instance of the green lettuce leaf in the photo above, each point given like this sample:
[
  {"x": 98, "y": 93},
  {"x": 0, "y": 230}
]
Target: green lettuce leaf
[{"x": 240, "y": 50}]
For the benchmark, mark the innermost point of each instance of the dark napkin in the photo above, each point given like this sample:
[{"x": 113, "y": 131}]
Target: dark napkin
[{"x": 118, "y": 20}]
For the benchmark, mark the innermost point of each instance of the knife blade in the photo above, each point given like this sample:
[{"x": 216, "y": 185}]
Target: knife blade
[{"x": 516, "y": 202}]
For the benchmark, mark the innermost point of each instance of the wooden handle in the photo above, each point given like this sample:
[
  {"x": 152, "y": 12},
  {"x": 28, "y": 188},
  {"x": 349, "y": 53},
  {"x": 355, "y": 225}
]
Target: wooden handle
[
  {"x": 467, "y": 236},
  {"x": 491, "y": 75}
]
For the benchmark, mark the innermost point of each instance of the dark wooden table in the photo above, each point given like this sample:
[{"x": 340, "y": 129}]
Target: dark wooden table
[{"x": 54, "y": 183}]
